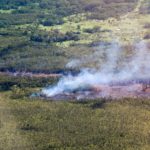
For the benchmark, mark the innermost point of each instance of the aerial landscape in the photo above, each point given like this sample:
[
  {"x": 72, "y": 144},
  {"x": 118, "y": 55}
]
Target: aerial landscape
[{"x": 74, "y": 74}]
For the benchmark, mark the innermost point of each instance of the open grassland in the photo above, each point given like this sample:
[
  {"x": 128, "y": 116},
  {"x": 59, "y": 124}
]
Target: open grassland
[
  {"x": 10, "y": 138},
  {"x": 36, "y": 124},
  {"x": 32, "y": 124},
  {"x": 126, "y": 28}
]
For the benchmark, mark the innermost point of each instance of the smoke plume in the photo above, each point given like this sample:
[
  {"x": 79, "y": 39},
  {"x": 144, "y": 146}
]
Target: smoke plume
[{"x": 135, "y": 67}]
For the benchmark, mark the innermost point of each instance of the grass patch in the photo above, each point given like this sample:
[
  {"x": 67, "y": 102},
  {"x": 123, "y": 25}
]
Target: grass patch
[
  {"x": 100, "y": 124},
  {"x": 9, "y": 11}
]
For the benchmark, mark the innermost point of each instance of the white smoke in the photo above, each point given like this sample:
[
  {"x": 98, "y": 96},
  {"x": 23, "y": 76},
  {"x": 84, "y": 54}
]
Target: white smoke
[
  {"x": 137, "y": 67},
  {"x": 73, "y": 63},
  {"x": 95, "y": 57}
]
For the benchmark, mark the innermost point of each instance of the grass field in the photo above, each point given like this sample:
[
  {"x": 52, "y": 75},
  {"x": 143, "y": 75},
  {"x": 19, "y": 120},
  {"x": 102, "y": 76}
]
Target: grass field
[{"x": 32, "y": 124}]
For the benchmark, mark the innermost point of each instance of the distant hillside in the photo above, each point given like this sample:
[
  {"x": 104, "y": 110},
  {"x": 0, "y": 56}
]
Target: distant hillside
[
  {"x": 50, "y": 12},
  {"x": 42, "y": 35}
]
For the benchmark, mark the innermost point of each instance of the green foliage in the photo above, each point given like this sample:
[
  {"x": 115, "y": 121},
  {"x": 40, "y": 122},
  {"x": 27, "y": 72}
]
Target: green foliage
[
  {"x": 34, "y": 57},
  {"x": 100, "y": 124},
  {"x": 93, "y": 30},
  {"x": 18, "y": 83},
  {"x": 54, "y": 36},
  {"x": 52, "y": 21},
  {"x": 20, "y": 92},
  {"x": 35, "y": 33}
]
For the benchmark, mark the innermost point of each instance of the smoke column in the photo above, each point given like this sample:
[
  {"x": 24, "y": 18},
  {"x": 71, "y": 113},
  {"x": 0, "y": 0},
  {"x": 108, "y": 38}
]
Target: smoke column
[{"x": 137, "y": 67}]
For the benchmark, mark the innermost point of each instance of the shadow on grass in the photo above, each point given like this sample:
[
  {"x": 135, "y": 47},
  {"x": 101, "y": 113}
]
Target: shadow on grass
[
  {"x": 98, "y": 105},
  {"x": 93, "y": 104}
]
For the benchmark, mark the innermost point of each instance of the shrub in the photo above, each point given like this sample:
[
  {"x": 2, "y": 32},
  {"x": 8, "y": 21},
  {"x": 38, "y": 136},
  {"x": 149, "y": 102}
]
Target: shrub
[
  {"x": 53, "y": 21},
  {"x": 93, "y": 30},
  {"x": 18, "y": 92}
]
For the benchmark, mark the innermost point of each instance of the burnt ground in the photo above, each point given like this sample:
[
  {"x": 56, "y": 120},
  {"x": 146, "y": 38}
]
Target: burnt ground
[{"x": 130, "y": 89}]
